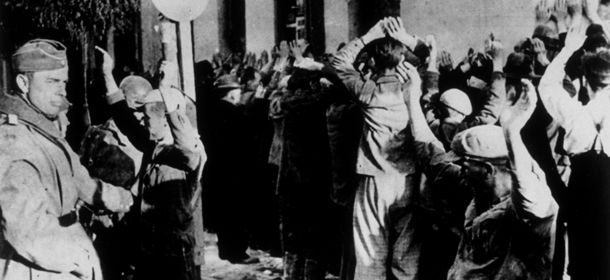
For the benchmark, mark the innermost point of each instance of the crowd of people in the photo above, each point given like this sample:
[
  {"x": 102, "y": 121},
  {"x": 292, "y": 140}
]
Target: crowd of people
[{"x": 383, "y": 160}]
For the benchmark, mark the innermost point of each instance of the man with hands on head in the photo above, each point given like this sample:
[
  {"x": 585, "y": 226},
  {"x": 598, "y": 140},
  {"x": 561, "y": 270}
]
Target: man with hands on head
[
  {"x": 168, "y": 193},
  {"x": 42, "y": 183},
  {"x": 383, "y": 208},
  {"x": 509, "y": 226}
]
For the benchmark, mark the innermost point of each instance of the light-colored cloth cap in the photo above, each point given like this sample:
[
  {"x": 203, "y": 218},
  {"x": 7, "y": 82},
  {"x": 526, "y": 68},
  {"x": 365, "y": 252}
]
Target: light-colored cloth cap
[
  {"x": 457, "y": 100},
  {"x": 482, "y": 143},
  {"x": 40, "y": 55}
]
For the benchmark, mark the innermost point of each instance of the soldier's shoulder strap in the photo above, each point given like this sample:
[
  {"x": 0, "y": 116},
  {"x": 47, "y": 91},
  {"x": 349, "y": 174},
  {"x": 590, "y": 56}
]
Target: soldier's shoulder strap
[{"x": 8, "y": 119}]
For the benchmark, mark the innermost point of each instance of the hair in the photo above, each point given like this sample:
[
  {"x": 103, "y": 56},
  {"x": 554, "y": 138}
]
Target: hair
[
  {"x": 387, "y": 53},
  {"x": 595, "y": 65}
]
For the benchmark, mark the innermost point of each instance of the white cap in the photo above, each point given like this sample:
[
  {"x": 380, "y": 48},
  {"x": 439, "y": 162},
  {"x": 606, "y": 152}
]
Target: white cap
[{"x": 457, "y": 100}]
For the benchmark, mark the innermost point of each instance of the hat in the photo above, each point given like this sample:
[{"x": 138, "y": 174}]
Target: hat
[
  {"x": 457, "y": 100},
  {"x": 481, "y": 143},
  {"x": 521, "y": 66},
  {"x": 152, "y": 96},
  {"x": 227, "y": 81},
  {"x": 40, "y": 55}
]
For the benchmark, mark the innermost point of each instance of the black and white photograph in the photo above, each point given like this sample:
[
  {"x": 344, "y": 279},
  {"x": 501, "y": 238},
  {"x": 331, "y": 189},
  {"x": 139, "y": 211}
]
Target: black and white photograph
[{"x": 304, "y": 139}]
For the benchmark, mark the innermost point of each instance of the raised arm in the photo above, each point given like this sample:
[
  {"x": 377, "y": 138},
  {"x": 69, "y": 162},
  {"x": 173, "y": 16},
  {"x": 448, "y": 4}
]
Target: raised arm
[
  {"x": 344, "y": 59},
  {"x": 123, "y": 116},
  {"x": 494, "y": 94},
  {"x": 565, "y": 110},
  {"x": 531, "y": 195},
  {"x": 428, "y": 150},
  {"x": 431, "y": 94},
  {"x": 186, "y": 152}
]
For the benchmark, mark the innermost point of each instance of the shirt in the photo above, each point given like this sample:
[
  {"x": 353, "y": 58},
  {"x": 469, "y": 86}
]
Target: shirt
[
  {"x": 587, "y": 127},
  {"x": 385, "y": 114}
]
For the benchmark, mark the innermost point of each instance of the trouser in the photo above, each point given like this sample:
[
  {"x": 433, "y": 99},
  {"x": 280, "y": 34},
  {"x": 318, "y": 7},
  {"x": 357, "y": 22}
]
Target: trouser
[
  {"x": 167, "y": 267},
  {"x": 385, "y": 245},
  {"x": 305, "y": 215},
  {"x": 232, "y": 243}
]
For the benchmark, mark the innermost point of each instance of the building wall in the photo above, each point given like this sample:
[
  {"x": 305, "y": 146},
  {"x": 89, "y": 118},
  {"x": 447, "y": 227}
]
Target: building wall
[
  {"x": 205, "y": 32},
  {"x": 335, "y": 23},
  {"x": 460, "y": 24},
  {"x": 260, "y": 27},
  {"x": 150, "y": 37}
]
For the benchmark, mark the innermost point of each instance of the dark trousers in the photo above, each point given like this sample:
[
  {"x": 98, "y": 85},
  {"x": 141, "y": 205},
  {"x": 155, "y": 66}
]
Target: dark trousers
[
  {"x": 306, "y": 216},
  {"x": 167, "y": 267}
]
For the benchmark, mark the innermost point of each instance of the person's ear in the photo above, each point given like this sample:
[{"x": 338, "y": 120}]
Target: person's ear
[{"x": 23, "y": 82}]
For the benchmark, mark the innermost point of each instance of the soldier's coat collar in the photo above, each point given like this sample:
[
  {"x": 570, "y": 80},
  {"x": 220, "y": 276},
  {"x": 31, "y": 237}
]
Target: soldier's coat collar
[{"x": 12, "y": 104}]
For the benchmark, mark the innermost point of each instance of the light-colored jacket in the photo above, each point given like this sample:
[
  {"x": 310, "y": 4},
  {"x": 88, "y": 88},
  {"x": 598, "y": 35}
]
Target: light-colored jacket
[{"x": 41, "y": 181}]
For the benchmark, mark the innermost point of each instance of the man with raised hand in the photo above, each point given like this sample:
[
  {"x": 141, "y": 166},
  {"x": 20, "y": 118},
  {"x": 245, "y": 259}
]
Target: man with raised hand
[
  {"x": 169, "y": 190},
  {"x": 509, "y": 226}
]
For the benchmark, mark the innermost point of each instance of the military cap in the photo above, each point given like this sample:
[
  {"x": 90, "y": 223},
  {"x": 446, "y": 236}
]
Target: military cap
[{"x": 40, "y": 55}]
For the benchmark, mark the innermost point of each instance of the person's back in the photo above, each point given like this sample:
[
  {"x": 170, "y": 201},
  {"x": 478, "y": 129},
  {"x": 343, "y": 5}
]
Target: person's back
[{"x": 383, "y": 217}]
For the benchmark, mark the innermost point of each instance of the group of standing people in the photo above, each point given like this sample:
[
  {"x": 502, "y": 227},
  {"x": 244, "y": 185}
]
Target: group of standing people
[{"x": 380, "y": 161}]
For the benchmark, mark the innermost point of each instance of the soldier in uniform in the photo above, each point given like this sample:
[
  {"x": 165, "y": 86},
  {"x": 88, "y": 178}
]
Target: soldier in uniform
[{"x": 41, "y": 178}]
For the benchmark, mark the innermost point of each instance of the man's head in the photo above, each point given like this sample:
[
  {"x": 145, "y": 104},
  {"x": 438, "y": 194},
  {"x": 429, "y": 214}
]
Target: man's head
[
  {"x": 227, "y": 88},
  {"x": 597, "y": 70},
  {"x": 483, "y": 155},
  {"x": 153, "y": 108},
  {"x": 456, "y": 104},
  {"x": 387, "y": 53},
  {"x": 41, "y": 75},
  {"x": 134, "y": 88}
]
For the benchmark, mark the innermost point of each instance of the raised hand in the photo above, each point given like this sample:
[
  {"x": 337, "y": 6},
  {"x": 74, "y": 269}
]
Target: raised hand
[
  {"x": 296, "y": 51},
  {"x": 590, "y": 8},
  {"x": 540, "y": 51},
  {"x": 376, "y": 32},
  {"x": 108, "y": 62},
  {"x": 515, "y": 117},
  {"x": 395, "y": 28},
  {"x": 446, "y": 63},
  {"x": 412, "y": 87}
]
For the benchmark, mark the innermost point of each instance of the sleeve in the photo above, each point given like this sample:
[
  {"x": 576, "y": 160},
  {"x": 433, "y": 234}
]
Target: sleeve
[
  {"x": 127, "y": 122},
  {"x": 31, "y": 230},
  {"x": 431, "y": 96},
  {"x": 444, "y": 182},
  {"x": 566, "y": 111},
  {"x": 99, "y": 194},
  {"x": 493, "y": 104},
  {"x": 187, "y": 152},
  {"x": 343, "y": 64},
  {"x": 531, "y": 195}
]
